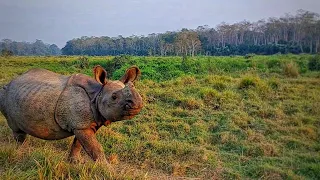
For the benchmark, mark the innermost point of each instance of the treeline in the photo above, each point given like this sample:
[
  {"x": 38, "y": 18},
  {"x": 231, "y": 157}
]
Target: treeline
[
  {"x": 299, "y": 33},
  {"x": 38, "y": 48}
]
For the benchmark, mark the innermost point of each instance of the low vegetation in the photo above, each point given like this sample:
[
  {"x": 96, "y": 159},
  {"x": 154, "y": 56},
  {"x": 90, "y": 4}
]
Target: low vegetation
[
  {"x": 291, "y": 70},
  {"x": 206, "y": 117},
  {"x": 314, "y": 63}
]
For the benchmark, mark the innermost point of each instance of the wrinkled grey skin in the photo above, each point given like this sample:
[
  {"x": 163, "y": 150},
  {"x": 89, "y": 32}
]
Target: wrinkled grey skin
[{"x": 52, "y": 106}]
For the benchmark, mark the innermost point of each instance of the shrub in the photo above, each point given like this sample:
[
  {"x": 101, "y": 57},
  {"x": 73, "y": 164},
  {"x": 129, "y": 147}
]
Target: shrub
[
  {"x": 291, "y": 69},
  {"x": 116, "y": 63},
  {"x": 187, "y": 65},
  {"x": 187, "y": 80},
  {"x": 248, "y": 56},
  {"x": 314, "y": 63},
  {"x": 248, "y": 82},
  {"x": 273, "y": 63},
  {"x": 82, "y": 62},
  {"x": 211, "y": 97},
  {"x": 219, "y": 85},
  {"x": 6, "y": 53},
  {"x": 64, "y": 63}
]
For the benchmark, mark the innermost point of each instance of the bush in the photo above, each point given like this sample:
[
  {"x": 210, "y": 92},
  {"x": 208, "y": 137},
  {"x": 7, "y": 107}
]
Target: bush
[
  {"x": 6, "y": 53},
  {"x": 186, "y": 64},
  {"x": 314, "y": 63},
  {"x": 82, "y": 62},
  {"x": 248, "y": 82},
  {"x": 273, "y": 63},
  {"x": 248, "y": 56},
  {"x": 291, "y": 69},
  {"x": 64, "y": 63},
  {"x": 116, "y": 63},
  {"x": 211, "y": 97}
]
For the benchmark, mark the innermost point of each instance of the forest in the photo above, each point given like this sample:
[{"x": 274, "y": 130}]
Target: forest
[
  {"x": 38, "y": 48},
  {"x": 299, "y": 33}
]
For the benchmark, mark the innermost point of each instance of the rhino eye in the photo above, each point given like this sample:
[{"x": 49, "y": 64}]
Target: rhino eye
[{"x": 114, "y": 96}]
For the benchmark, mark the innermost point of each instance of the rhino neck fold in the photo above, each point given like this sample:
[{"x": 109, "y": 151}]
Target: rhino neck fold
[
  {"x": 95, "y": 97},
  {"x": 93, "y": 90},
  {"x": 98, "y": 117}
]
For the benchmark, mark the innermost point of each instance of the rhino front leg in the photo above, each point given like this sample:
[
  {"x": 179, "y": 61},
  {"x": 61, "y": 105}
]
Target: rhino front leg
[
  {"x": 89, "y": 142},
  {"x": 75, "y": 155}
]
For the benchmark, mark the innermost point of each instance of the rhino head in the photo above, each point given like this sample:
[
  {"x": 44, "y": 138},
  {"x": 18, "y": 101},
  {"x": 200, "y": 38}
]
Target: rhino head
[{"x": 118, "y": 100}]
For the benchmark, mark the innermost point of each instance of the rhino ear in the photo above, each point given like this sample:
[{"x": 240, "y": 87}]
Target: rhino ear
[
  {"x": 100, "y": 74},
  {"x": 131, "y": 75}
]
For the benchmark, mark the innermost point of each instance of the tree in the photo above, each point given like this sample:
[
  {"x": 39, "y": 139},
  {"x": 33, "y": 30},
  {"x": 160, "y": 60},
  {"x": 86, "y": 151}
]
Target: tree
[
  {"x": 6, "y": 53},
  {"x": 297, "y": 33},
  {"x": 25, "y": 49},
  {"x": 54, "y": 49},
  {"x": 188, "y": 42}
]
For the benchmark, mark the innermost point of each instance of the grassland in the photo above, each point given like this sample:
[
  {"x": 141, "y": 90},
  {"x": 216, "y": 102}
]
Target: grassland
[{"x": 204, "y": 117}]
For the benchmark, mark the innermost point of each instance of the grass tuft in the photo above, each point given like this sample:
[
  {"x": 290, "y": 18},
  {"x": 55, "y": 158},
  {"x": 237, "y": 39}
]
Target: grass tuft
[{"x": 291, "y": 69}]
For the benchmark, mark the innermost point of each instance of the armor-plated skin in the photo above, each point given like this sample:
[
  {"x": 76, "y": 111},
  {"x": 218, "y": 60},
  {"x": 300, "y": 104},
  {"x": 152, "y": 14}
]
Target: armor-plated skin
[{"x": 51, "y": 106}]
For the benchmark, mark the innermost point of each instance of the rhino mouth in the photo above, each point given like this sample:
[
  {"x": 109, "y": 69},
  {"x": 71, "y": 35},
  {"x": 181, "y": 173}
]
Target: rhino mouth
[{"x": 128, "y": 114}]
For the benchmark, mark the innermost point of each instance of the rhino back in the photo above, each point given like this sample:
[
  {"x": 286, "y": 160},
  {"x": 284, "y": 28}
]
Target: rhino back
[{"x": 30, "y": 102}]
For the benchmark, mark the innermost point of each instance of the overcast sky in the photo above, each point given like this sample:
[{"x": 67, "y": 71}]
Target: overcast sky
[{"x": 57, "y": 21}]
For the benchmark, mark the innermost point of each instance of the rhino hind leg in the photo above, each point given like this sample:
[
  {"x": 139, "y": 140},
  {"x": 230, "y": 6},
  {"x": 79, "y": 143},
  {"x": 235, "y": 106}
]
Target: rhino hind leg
[{"x": 19, "y": 136}]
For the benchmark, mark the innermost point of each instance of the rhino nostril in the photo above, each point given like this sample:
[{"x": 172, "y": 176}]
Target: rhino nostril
[
  {"x": 130, "y": 103},
  {"x": 127, "y": 107}
]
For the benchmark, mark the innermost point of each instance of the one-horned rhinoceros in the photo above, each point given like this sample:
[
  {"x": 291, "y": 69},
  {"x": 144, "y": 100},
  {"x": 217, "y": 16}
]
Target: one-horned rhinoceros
[{"x": 51, "y": 106}]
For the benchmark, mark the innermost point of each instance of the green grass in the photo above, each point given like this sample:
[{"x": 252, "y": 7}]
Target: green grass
[{"x": 206, "y": 117}]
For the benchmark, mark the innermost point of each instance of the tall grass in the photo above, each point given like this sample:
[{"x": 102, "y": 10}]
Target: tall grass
[
  {"x": 291, "y": 70},
  {"x": 207, "y": 117}
]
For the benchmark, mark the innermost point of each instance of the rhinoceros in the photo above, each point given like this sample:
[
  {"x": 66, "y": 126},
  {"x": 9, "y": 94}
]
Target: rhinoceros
[{"x": 51, "y": 106}]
